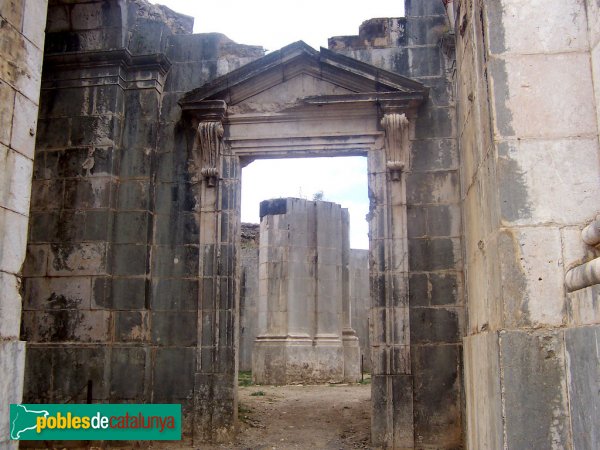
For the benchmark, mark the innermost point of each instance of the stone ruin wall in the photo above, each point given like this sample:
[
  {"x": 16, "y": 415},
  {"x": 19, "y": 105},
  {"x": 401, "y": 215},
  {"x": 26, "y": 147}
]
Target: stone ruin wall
[
  {"x": 111, "y": 204},
  {"x": 110, "y": 291},
  {"x": 528, "y": 133},
  {"x": 358, "y": 291},
  {"x": 21, "y": 47}
]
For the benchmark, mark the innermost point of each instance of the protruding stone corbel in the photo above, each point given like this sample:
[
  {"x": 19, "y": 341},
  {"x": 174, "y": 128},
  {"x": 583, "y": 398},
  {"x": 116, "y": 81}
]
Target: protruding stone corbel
[
  {"x": 396, "y": 128},
  {"x": 210, "y": 141}
]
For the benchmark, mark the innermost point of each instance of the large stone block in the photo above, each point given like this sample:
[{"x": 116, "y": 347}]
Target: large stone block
[
  {"x": 432, "y": 187},
  {"x": 10, "y": 306},
  {"x": 67, "y": 325},
  {"x": 57, "y": 293},
  {"x": 7, "y": 103},
  {"x": 563, "y": 30},
  {"x": 570, "y": 199},
  {"x": 521, "y": 81},
  {"x": 75, "y": 368},
  {"x": 534, "y": 382},
  {"x": 77, "y": 259},
  {"x": 130, "y": 374},
  {"x": 15, "y": 181},
  {"x": 433, "y": 154},
  {"x": 173, "y": 373},
  {"x": 435, "y": 325},
  {"x": 130, "y": 259},
  {"x": 583, "y": 373},
  {"x": 532, "y": 276},
  {"x": 13, "y": 242},
  {"x": 170, "y": 328},
  {"x": 484, "y": 426}
]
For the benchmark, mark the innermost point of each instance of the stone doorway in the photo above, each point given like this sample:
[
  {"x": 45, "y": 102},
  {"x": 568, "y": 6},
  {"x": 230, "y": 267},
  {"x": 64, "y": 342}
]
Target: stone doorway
[{"x": 298, "y": 102}]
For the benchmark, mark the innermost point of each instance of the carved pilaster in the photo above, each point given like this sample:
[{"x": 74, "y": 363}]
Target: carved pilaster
[{"x": 396, "y": 128}]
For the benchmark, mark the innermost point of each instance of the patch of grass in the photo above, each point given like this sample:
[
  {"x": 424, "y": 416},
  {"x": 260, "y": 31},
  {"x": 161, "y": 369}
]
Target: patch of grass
[
  {"x": 245, "y": 378},
  {"x": 258, "y": 394}
]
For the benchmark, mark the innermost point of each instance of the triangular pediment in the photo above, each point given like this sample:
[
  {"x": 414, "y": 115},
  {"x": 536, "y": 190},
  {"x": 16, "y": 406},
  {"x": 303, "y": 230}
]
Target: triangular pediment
[{"x": 297, "y": 72}]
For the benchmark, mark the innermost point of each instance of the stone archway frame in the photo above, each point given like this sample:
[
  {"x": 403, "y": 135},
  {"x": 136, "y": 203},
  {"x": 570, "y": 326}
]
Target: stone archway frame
[{"x": 299, "y": 102}]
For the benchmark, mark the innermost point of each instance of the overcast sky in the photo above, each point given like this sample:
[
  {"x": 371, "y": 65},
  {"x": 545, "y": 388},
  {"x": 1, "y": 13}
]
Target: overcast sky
[{"x": 274, "y": 24}]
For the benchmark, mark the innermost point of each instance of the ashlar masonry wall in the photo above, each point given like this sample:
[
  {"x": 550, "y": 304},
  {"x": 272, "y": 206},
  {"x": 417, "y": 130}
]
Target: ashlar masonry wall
[
  {"x": 21, "y": 50},
  {"x": 414, "y": 46},
  {"x": 112, "y": 269},
  {"x": 530, "y": 173}
]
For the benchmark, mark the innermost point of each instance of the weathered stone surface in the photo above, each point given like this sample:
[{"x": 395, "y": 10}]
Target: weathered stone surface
[
  {"x": 12, "y": 368},
  {"x": 303, "y": 254},
  {"x": 484, "y": 420},
  {"x": 535, "y": 389},
  {"x": 583, "y": 372}
]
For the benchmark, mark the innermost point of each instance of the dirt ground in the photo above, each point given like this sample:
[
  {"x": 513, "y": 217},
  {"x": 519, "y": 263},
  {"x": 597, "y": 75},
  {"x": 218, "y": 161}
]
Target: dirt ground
[
  {"x": 329, "y": 417},
  {"x": 305, "y": 417}
]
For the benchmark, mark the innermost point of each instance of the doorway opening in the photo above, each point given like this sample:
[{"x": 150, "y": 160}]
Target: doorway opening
[{"x": 290, "y": 410}]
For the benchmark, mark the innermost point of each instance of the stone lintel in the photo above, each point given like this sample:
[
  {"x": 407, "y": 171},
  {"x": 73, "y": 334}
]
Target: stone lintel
[{"x": 207, "y": 110}]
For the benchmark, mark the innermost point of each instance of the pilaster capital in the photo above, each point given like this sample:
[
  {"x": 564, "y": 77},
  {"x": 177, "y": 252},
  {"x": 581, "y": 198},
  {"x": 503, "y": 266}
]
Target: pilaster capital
[{"x": 396, "y": 127}]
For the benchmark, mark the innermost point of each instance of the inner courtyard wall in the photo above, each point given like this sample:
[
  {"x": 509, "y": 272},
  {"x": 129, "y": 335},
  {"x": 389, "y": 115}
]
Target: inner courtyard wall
[{"x": 530, "y": 180}]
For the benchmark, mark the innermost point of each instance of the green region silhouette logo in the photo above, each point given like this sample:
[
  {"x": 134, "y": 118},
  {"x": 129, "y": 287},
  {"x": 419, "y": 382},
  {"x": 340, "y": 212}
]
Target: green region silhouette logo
[
  {"x": 24, "y": 420},
  {"x": 95, "y": 422}
]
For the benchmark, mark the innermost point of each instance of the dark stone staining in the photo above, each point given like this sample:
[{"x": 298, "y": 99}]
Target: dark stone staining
[
  {"x": 433, "y": 154},
  {"x": 129, "y": 259},
  {"x": 431, "y": 254},
  {"x": 582, "y": 346},
  {"x": 131, "y": 227},
  {"x": 178, "y": 261},
  {"x": 131, "y": 326},
  {"x": 536, "y": 405},
  {"x": 128, "y": 293},
  {"x": 496, "y": 33},
  {"x": 133, "y": 195},
  {"x": 434, "y": 325},
  {"x": 416, "y": 221},
  {"x": 418, "y": 289},
  {"x": 173, "y": 373},
  {"x": 72, "y": 369},
  {"x": 98, "y": 225},
  {"x": 434, "y": 123},
  {"x": 273, "y": 207},
  {"x": 424, "y": 61},
  {"x": 437, "y": 394},
  {"x": 424, "y": 8},
  {"x": 514, "y": 197},
  {"x": 174, "y": 328},
  {"x": 444, "y": 288},
  {"x": 127, "y": 364},
  {"x": 426, "y": 30},
  {"x": 504, "y": 118},
  {"x": 174, "y": 295}
]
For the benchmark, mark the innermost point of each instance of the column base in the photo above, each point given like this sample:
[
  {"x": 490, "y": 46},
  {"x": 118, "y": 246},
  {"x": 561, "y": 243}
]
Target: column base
[
  {"x": 352, "y": 366},
  {"x": 287, "y": 360}
]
